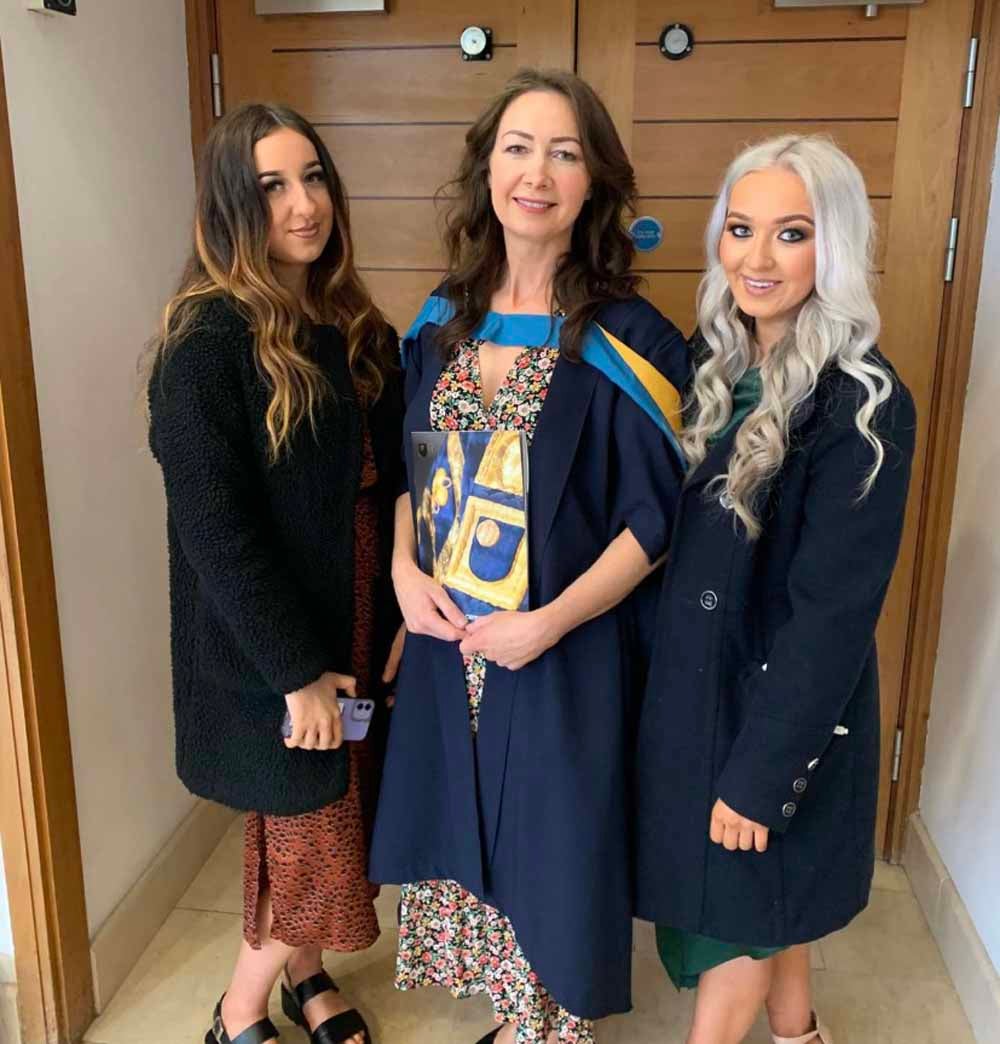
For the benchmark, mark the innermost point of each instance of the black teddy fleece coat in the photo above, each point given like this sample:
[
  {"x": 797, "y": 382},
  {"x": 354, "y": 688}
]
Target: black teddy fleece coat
[{"x": 261, "y": 560}]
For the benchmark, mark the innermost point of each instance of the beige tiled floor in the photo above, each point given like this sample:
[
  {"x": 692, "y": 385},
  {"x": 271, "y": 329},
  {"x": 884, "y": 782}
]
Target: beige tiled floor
[{"x": 881, "y": 981}]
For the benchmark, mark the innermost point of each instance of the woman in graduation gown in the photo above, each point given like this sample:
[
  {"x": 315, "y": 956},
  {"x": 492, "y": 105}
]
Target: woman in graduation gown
[{"x": 503, "y": 810}]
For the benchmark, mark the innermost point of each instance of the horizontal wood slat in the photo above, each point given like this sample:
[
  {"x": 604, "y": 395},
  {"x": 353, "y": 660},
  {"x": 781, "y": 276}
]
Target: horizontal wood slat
[
  {"x": 403, "y": 160},
  {"x": 401, "y": 233},
  {"x": 684, "y": 222},
  {"x": 389, "y": 86},
  {"x": 673, "y": 293},
  {"x": 759, "y": 20},
  {"x": 400, "y": 295},
  {"x": 845, "y": 80},
  {"x": 408, "y": 23},
  {"x": 689, "y": 159}
]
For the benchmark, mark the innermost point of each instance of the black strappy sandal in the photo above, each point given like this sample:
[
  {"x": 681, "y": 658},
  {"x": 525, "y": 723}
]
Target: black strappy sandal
[
  {"x": 337, "y": 1028},
  {"x": 490, "y": 1036},
  {"x": 258, "y": 1033}
]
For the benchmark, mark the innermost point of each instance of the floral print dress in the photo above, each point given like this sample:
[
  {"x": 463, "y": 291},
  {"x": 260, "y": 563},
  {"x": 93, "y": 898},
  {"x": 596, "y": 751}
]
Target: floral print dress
[{"x": 447, "y": 936}]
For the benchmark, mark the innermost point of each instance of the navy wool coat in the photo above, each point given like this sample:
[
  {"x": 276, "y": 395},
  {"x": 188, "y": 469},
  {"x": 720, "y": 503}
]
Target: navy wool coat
[
  {"x": 763, "y": 688},
  {"x": 531, "y": 816}
]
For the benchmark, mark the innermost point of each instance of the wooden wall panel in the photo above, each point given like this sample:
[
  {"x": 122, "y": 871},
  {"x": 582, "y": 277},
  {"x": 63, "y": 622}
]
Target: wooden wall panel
[
  {"x": 758, "y": 20},
  {"x": 400, "y": 295},
  {"x": 546, "y": 34},
  {"x": 689, "y": 159},
  {"x": 849, "y": 79},
  {"x": 408, "y": 23},
  {"x": 605, "y": 28},
  {"x": 390, "y": 85},
  {"x": 673, "y": 293},
  {"x": 684, "y": 222},
  {"x": 412, "y": 160},
  {"x": 397, "y": 233}
]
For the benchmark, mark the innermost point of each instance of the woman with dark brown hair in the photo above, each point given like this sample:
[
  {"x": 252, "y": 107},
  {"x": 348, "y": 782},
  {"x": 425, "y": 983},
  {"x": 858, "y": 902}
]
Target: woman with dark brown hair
[
  {"x": 503, "y": 811},
  {"x": 275, "y": 416}
]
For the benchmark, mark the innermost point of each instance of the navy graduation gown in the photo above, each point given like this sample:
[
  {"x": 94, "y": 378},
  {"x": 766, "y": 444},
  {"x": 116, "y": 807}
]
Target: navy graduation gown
[{"x": 531, "y": 815}]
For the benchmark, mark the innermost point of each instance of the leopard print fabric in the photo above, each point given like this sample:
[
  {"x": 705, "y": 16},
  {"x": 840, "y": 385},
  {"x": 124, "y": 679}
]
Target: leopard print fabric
[{"x": 315, "y": 864}]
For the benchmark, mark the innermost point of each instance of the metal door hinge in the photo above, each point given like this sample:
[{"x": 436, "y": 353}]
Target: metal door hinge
[
  {"x": 970, "y": 73},
  {"x": 216, "y": 86},
  {"x": 949, "y": 258},
  {"x": 897, "y": 755}
]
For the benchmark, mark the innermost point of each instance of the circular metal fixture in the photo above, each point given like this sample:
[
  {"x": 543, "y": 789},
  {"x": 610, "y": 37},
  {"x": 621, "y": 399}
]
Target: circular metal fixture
[
  {"x": 476, "y": 43},
  {"x": 676, "y": 42}
]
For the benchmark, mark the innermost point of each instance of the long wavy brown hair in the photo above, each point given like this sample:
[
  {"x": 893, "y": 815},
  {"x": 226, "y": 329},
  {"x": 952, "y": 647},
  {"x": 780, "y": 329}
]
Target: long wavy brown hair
[
  {"x": 597, "y": 267},
  {"x": 230, "y": 259}
]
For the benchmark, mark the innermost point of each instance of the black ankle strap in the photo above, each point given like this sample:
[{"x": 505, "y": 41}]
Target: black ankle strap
[
  {"x": 313, "y": 987},
  {"x": 258, "y": 1033}
]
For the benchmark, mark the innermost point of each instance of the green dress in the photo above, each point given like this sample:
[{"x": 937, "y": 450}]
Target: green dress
[{"x": 685, "y": 955}]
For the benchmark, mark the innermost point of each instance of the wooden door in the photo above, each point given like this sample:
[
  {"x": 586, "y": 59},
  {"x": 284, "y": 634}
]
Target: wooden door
[
  {"x": 392, "y": 98},
  {"x": 887, "y": 89}
]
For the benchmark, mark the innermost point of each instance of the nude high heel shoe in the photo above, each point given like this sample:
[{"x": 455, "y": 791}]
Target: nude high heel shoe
[{"x": 819, "y": 1034}]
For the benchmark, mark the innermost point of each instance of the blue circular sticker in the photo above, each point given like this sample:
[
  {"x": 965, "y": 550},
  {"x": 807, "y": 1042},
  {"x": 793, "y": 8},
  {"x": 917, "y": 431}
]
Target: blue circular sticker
[{"x": 646, "y": 233}]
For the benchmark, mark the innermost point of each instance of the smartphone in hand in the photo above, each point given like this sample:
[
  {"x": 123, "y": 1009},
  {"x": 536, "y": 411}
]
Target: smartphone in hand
[{"x": 355, "y": 716}]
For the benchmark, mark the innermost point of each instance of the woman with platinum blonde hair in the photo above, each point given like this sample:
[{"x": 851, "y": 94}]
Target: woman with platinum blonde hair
[{"x": 758, "y": 751}]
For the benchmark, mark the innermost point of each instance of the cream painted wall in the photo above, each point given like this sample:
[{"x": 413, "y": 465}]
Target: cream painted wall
[
  {"x": 100, "y": 127},
  {"x": 6, "y": 938},
  {"x": 960, "y": 800}
]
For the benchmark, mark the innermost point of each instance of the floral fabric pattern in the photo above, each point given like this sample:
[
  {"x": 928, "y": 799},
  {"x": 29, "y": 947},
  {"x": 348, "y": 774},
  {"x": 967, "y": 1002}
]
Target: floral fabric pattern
[{"x": 447, "y": 936}]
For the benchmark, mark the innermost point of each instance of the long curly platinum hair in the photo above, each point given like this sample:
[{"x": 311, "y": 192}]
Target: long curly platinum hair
[{"x": 836, "y": 326}]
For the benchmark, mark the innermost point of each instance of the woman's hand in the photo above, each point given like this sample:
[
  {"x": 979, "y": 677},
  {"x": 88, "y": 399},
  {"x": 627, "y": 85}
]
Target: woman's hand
[
  {"x": 392, "y": 663},
  {"x": 315, "y": 712},
  {"x": 425, "y": 604},
  {"x": 733, "y": 831},
  {"x": 511, "y": 639}
]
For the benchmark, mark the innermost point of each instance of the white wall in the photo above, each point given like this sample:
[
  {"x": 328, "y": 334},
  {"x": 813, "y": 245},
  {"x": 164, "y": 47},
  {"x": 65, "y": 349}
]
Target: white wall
[
  {"x": 6, "y": 938},
  {"x": 960, "y": 800},
  {"x": 100, "y": 127}
]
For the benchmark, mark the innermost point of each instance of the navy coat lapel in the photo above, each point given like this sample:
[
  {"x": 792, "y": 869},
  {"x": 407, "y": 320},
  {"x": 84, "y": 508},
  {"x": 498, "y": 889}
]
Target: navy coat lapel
[{"x": 553, "y": 449}]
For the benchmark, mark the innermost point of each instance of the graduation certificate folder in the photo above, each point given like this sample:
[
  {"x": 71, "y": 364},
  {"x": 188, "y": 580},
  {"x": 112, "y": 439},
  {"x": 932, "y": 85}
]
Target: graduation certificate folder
[{"x": 470, "y": 507}]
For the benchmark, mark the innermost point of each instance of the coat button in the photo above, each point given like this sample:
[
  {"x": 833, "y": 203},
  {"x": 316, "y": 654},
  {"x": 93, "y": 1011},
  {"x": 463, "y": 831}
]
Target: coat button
[
  {"x": 799, "y": 786},
  {"x": 789, "y": 809},
  {"x": 811, "y": 767},
  {"x": 726, "y": 501},
  {"x": 709, "y": 600}
]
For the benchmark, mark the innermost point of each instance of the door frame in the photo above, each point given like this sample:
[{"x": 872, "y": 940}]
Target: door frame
[{"x": 38, "y": 820}]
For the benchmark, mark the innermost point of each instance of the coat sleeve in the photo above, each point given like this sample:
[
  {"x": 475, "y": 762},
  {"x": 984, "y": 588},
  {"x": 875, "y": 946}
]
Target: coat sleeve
[
  {"x": 647, "y": 478},
  {"x": 836, "y": 586},
  {"x": 412, "y": 354},
  {"x": 200, "y": 437}
]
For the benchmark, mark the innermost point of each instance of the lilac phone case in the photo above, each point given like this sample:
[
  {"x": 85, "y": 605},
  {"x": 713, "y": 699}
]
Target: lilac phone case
[{"x": 355, "y": 716}]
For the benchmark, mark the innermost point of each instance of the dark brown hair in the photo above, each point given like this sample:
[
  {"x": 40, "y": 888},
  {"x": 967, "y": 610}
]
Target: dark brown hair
[
  {"x": 230, "y": 258},
  {"x": 598, "y": 266}
]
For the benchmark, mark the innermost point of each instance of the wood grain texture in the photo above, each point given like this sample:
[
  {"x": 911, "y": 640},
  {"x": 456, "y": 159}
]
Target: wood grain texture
[
  {"x": 927, "y": 149},
  {"x": 689, "y": 159},
  {"x": 606, "y": 57},
  {"x": 546, "y": 34},
  {"x": 674, "y": 294},
  {"x": 38, "y": 818},
  {"x": 854, "y": 79},
  {"x": 760, "y": 20},
  {"x": 388, "y": 86},
  {"x": 978, "y": 151},
  {"x": 400, "y": 295},
  {"x": 684, "y": 222},
  {"x": 408, "y": 23},
  {"x": 400, "y": 160}
]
